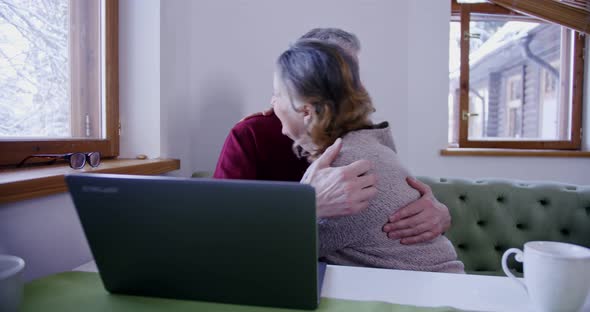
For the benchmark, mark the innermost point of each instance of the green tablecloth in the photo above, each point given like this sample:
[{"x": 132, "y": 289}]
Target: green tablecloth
[{"x": 82, "y": 291}]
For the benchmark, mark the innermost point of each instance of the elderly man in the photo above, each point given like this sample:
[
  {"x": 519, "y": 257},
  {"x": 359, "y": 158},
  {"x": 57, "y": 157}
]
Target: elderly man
[{"x": 255, "y": 149}]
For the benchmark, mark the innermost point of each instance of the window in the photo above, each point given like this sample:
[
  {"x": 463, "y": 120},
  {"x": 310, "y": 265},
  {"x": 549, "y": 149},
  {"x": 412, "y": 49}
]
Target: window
[
  {"x": 515, "y": 81},
  {"x": 549, "y": 82},
  {"x": 477, "y": 105},
  {"x": 514, "y": 91},
  {"x": 58, "y": 78}
]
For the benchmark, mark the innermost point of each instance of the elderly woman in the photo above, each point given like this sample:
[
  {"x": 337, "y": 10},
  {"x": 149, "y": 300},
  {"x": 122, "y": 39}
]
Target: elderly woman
[{"x": 319, "y": 98}]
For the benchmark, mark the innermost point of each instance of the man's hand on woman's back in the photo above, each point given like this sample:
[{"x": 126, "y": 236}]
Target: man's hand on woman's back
[
  {"x": 420, "y": 221},
  {"x": 267, "y": 112},
  {"x": 347, "y": 190},
  {"x": 340, "y": 190}
]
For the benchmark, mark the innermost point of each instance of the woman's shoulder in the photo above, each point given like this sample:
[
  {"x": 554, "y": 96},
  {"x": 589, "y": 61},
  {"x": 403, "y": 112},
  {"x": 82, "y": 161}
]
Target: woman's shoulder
[
  {"x": 375, "y": 145},
  {"x": 353, "y": 149},
  {"x": 375, "y": 139}
]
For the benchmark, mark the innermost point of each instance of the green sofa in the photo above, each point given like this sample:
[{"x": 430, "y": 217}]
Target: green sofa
[{"x": 492, "y": 215}]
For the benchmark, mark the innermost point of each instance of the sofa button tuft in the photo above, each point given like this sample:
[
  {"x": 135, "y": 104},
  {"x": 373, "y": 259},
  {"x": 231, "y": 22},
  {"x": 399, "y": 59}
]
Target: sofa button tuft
[
  {"x": 461, "y": 246},
  {"x": 481, "y": 223},
  {"x": 520, "y": 226},
  {"x": 500, "y": 199},
  {"x": 462, "y": 197},
  {"x": 544, "y": 202},
  {"x": 498, "y": 248},
  {"x": 443, "y": 180},
  {"x": 564, "y": 232}
]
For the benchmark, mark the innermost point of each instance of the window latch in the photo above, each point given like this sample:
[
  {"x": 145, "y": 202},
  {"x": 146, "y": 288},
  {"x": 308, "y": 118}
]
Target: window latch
[
  {"x": 467, "y": 35},
  {"x": 465, "y": 115}
]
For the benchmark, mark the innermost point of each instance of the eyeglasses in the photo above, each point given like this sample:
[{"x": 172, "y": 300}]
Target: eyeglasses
[{"x": 76, "y": 160}]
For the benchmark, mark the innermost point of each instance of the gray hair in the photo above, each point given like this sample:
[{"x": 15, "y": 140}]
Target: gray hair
[{"x": 347, "y": 41}]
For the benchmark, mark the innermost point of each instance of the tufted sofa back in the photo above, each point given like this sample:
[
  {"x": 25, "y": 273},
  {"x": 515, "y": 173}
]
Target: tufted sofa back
[{"x": 492, "y": 215}]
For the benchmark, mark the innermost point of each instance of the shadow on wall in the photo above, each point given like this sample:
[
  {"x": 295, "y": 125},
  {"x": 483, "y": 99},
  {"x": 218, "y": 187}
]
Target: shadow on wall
[
  {"x": 46, "y": 233},
  {"x": 219, "y": 106}
]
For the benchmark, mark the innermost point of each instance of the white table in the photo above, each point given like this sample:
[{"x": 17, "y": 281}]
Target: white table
[{"x": 463, "y": 291}]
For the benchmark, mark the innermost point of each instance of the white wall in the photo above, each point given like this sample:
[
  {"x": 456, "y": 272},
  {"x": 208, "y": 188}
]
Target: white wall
[
  {"x": 45, "y": 232},
  {"x": 139, "y": 77},
  {"x": 586, "y": 109},
  {"x": 176, "y": 105},
  {"x": 217, "y": 59}
]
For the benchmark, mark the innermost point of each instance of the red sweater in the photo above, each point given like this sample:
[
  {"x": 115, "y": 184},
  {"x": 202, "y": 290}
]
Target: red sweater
[{"x": 255, "y": 149}]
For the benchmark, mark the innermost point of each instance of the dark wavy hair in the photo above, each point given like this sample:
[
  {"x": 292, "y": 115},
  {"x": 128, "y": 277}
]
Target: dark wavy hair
[{"x": 324, "y": 75}]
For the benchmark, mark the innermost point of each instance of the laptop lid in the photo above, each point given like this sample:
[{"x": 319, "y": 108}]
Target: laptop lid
[{"x": 231, "y": 241}]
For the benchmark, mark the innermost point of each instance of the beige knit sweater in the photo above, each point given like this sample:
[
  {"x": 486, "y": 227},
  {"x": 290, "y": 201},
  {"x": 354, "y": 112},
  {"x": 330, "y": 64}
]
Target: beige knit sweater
[{"x": 358, "y": 240}]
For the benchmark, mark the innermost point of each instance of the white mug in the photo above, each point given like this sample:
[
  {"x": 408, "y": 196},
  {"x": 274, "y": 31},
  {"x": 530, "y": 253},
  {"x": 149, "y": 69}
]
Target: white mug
[
  {"x": 11, "y": 282},
  {"x": 556, "y": 275}
]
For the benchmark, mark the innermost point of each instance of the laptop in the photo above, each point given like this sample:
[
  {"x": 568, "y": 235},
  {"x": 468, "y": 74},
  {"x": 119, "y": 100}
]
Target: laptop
[{"x": 228, "y": 241}]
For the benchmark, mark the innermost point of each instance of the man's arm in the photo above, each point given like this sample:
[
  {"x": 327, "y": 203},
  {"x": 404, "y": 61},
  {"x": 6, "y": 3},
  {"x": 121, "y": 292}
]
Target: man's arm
[
  {"x": 340, "y": 190},
  {"x": 421, "y": 220},
  {"x": 237, "y": 159},
  {"x": 347, "y": 190}
]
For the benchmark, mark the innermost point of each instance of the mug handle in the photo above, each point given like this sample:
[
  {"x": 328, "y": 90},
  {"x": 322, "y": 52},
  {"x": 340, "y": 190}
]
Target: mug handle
[{"x": 519, "y": 257}]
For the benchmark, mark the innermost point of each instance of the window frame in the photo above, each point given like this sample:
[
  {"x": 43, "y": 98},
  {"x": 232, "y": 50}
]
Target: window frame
[
  {"x": 12, "y": 151},
  {"x": 574, "y": 143}
]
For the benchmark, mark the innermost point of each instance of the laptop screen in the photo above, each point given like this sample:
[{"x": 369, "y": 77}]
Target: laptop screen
[{"x": 242, "y": 242}]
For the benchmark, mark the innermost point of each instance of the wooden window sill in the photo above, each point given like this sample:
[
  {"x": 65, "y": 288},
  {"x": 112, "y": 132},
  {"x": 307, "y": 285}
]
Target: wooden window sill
[
  {"x": 32, "y": 182},
  {"x": 511, "y": 152}
]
